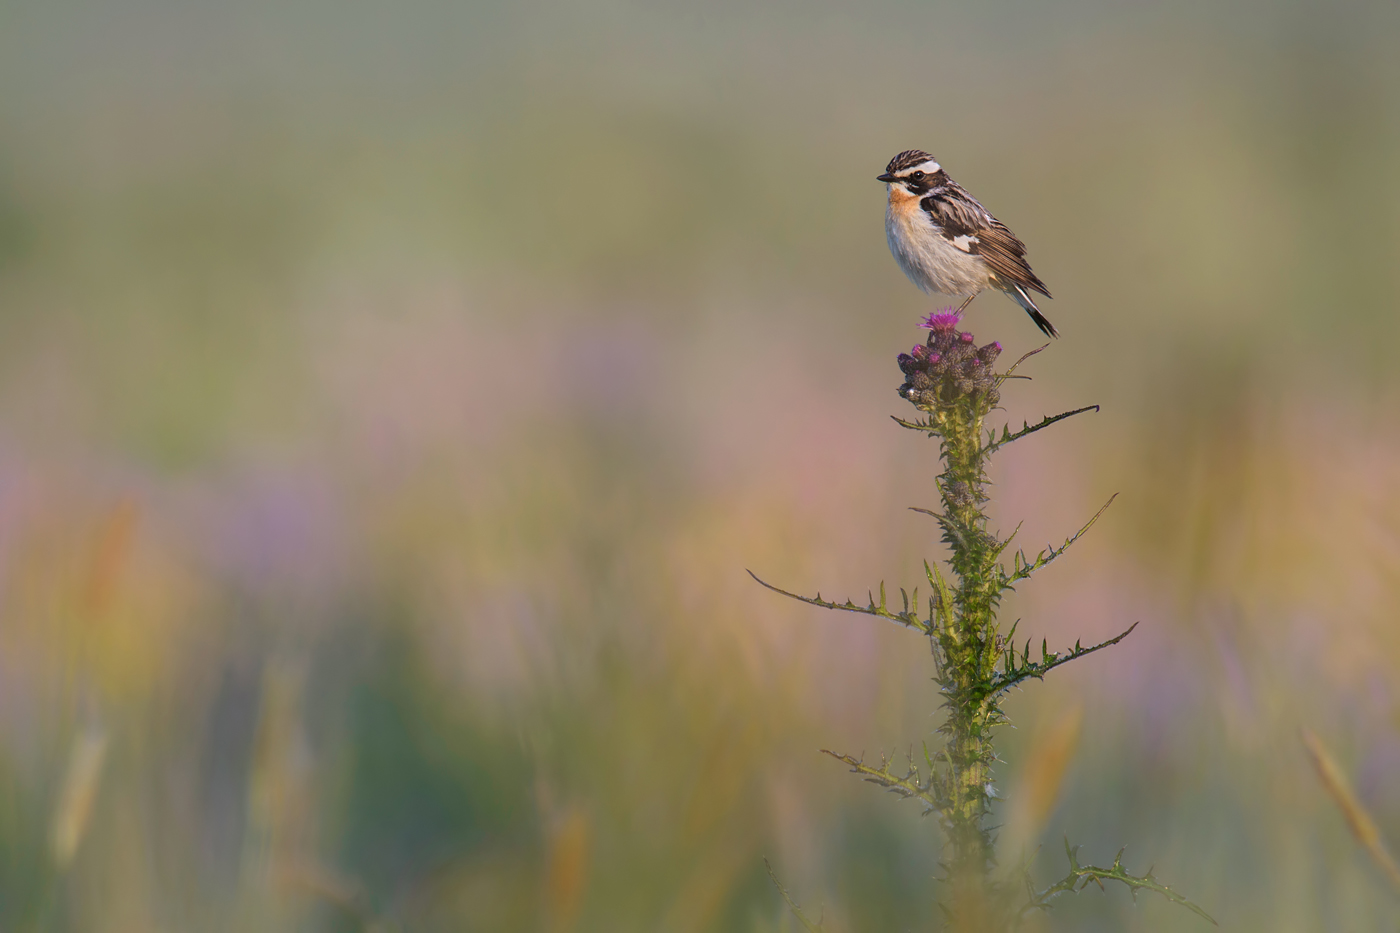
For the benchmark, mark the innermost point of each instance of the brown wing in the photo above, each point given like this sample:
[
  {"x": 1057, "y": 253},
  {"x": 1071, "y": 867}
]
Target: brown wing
[
  {"x": 967, "y": 225},
  {"x": 1006, "y": 255},
  {"x": 956, "y": 217}
]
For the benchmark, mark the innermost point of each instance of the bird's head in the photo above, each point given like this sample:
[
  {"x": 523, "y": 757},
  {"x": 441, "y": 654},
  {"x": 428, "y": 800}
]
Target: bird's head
[{"x": 914, "y": 171}]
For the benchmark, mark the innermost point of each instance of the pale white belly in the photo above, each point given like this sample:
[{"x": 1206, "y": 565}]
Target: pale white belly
[{"x": 930, "y": 261}]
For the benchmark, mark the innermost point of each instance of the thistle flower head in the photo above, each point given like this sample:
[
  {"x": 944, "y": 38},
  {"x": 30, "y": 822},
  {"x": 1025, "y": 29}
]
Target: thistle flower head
[
  {"x": 949, "y": 368},
  {"x": 947, "y": 319}
]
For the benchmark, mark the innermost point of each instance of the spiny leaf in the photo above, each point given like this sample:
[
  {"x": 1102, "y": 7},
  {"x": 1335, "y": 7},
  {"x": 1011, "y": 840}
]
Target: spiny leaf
[
  {"x": 1003, "y": 545},
  {"x": 944, "y": 596},
  {"x": 907, "y": 619},
  {"x": 1014, "y": 673},
  {"x": 1024, "y": 356},
  {"x": 908, "y": 784},
  {"x": 926, "y": 426},
  {"x": 1022, "y": 567},
  {"x": 1081, "y": 875},
  {"x": 1028, "y": 429}
]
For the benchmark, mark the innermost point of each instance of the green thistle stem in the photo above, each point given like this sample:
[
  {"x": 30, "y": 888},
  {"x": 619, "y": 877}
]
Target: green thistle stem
[
  {"x": 967, "y": 651},
  {"x": 952, "y": 382}
]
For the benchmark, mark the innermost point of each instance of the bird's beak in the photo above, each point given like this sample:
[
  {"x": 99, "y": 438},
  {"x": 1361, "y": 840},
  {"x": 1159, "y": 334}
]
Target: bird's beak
[{"x": 887, "y": 178}]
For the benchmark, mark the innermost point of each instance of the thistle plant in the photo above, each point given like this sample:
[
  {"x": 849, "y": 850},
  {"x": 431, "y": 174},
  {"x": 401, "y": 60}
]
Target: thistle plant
[{"x": 956, "y": 388}]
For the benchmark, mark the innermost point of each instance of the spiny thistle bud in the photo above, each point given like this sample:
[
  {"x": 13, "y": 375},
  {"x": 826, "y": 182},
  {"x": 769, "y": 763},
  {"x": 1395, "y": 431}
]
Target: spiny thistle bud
[{"x": 949, "y": 367}]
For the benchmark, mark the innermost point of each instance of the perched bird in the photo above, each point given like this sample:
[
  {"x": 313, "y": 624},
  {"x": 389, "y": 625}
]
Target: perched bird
[{"x": 947, "y": 242}]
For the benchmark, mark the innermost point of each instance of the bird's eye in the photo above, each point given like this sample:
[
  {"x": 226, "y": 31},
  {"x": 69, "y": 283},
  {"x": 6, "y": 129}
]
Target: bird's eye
[{"x": 917, "y": 176}]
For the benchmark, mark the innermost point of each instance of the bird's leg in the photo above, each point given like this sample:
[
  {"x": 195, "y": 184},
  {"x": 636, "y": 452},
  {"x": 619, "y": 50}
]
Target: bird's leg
[{"x": 962, "y": 307}]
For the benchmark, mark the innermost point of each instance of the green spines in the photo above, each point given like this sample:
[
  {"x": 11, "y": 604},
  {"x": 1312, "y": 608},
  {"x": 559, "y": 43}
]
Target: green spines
[{"x": 1081, "y": 876}]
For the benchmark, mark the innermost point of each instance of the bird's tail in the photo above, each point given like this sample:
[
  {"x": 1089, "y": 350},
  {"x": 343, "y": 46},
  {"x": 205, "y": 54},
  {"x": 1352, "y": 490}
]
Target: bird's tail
[{"x": 1023, "y": 298}]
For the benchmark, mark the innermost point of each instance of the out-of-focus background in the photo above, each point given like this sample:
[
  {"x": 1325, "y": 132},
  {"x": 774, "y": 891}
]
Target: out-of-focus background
[{"x": 392, "y": 398}]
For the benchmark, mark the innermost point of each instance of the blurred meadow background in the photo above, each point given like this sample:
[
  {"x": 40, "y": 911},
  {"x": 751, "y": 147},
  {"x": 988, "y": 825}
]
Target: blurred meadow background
[{"x": 392, "y": 398}]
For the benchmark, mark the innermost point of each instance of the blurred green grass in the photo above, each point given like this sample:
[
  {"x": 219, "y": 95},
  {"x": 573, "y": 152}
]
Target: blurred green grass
[{"x": 391, "y": 401}]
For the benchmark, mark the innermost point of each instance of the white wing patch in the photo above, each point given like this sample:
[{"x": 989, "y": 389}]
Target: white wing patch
[{"x": 964, "y": 242}]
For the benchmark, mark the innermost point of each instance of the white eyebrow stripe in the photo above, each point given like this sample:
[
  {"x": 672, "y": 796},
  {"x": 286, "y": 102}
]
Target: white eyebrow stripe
[{"x": 928, "y": 168}]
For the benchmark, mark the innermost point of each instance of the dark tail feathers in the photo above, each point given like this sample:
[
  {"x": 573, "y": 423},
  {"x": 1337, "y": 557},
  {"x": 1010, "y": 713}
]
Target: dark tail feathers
[{"x": 1023, "y": 299}]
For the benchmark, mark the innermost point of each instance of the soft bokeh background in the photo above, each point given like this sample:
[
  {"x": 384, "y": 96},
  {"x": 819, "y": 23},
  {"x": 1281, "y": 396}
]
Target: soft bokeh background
[{"x": 393, "y": 396}]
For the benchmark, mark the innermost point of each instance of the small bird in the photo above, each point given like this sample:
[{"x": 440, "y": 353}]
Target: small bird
[{"x": 945, "y": 241}]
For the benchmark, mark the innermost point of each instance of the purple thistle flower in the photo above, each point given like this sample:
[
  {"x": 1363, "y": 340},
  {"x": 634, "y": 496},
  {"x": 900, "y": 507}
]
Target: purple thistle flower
[
  {"x": 950, "y": 367},
  {"x": 946, "y": 319}
]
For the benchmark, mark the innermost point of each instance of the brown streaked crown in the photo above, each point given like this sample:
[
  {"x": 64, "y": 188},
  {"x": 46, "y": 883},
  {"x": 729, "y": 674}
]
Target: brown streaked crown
[{"x": 907, "y": 159}]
